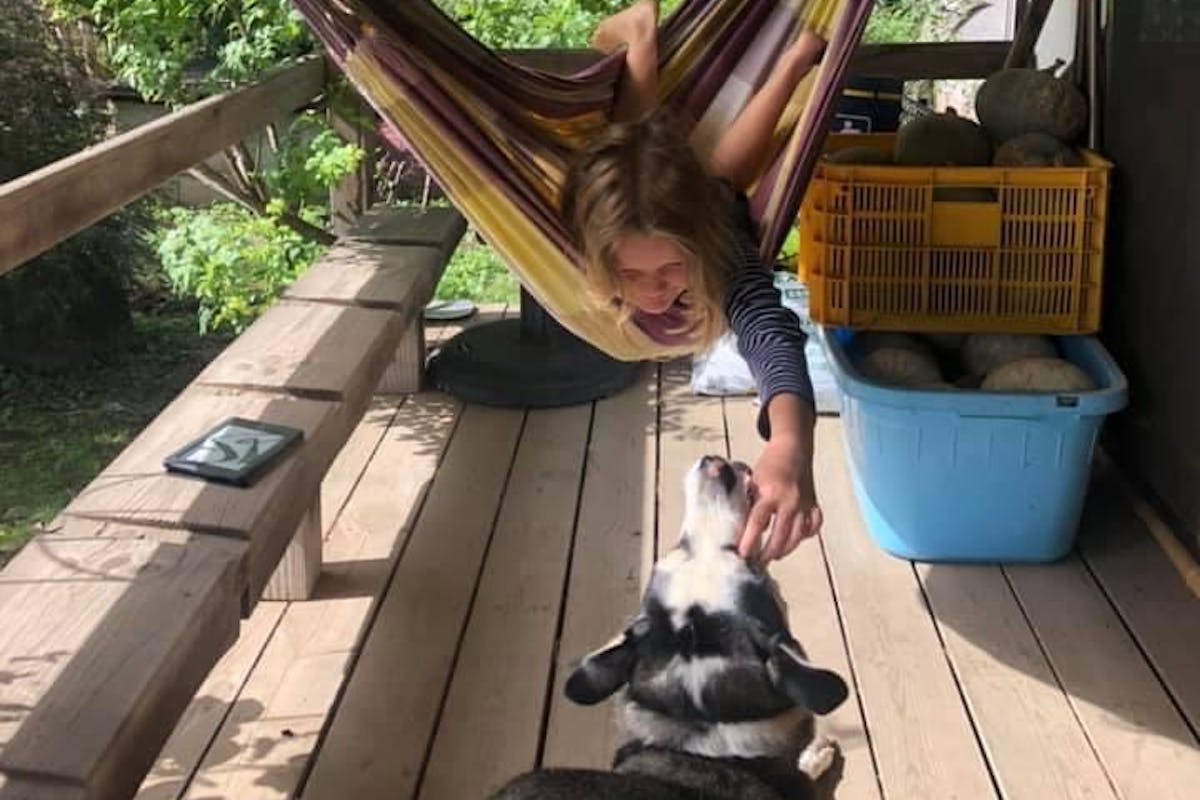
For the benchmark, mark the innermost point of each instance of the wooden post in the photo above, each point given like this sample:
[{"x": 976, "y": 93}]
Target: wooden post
[
  {"x": 298, "y": 570},
  {"x": 354, "y": 195},
  {"x": 404, "y": 375}
]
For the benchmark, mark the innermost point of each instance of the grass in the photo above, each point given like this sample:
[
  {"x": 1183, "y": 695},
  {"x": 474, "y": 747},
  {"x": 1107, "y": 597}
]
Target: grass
[
  {"x": 476, "y": 273},
  {"x": 58, "y": 431}
]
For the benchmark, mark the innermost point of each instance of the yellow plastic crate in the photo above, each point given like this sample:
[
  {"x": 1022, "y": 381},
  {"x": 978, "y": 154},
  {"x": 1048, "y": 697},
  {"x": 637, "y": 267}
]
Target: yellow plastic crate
[{"x": 954, "y": 249}]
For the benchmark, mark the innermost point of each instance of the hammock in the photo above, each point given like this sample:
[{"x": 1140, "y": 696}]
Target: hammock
[{"x": 498, "y": 136}]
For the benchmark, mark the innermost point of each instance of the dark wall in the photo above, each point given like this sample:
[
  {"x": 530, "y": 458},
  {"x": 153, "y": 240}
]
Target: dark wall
[{"x": 1152, "y": 315}]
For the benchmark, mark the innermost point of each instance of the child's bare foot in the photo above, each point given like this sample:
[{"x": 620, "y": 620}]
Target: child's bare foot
[
  {"x": 803, "y": 53},
  {"x": 807, "y": 48},
  {"x": 634, "y": 24}
]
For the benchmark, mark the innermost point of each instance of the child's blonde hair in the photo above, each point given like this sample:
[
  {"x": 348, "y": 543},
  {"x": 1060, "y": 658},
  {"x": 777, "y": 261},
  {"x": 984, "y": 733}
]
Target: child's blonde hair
[{"x": 643, "y": 178}]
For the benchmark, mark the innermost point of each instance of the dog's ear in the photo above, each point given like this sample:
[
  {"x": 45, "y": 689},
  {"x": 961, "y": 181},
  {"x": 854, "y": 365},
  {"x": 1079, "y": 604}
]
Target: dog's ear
[
  {"x": 818, "y": 690},
  {"x": 604, "y": 671}
]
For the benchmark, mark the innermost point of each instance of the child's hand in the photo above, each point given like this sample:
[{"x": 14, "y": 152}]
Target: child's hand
[{"x": 783, "y": 483}]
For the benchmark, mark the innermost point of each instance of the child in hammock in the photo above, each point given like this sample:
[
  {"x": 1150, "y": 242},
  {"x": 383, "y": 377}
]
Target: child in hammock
[{"x": 669, "y": 240}]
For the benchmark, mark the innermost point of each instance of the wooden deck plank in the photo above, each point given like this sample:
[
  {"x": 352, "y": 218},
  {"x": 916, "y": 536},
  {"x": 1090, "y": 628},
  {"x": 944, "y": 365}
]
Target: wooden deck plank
[
  {"x": 1034, "y": 742},
  {"x": 1146, "y": 589},
  {"x": 1142, "y": 740},
  {"x": 270, "y": 734},
  {"x": 135, "y": 489},
  {"x": 813, "y": 615},
  {"x": 301, "y": 348},
  {"x": 109, "y": 631},
  {"x": 613, "y": 547},
  {"x": 183, "y": 752},
  {"x": 490, "y": 728},
  {"x": 377, "y": 741},
  {"x": 920, "y": 733},
  {"x": 352, "y": 460},
  {"x": 690, "y": 427},
  {"x": 438, "y": 333}
]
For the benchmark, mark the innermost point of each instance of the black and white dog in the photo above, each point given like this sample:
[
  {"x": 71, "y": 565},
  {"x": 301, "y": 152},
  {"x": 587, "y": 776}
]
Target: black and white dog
[{"x": 718, "y": 697}]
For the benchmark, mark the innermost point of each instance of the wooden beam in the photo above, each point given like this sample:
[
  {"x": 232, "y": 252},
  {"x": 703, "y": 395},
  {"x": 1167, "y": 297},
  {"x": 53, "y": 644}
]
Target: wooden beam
[
  {"x": 917, "y": 61},
  {"x": 49, "y": 205},
  {"x": 1028, "y": 32},
  {"x": 930, "y": 60}
]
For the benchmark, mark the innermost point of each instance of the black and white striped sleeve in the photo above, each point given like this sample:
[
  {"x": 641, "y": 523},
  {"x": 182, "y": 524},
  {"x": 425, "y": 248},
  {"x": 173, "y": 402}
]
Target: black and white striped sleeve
[{"x": 768, "y": 333}]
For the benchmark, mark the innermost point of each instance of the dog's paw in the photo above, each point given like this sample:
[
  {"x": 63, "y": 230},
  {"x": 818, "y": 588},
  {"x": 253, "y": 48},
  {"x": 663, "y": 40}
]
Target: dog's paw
[{"x": 821, "y": 754}]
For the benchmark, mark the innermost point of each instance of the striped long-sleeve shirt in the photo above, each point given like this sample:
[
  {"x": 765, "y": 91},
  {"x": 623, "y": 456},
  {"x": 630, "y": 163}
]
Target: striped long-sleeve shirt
[{"x": 768, "y": 333}]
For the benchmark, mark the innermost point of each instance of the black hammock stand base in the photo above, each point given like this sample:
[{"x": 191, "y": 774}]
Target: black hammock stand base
[{"x": 530, "y": 362}]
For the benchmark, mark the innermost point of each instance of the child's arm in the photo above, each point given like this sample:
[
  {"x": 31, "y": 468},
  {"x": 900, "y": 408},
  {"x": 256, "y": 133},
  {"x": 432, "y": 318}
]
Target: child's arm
[
  {"x": 742, "y": 150},
  {"x": 772, "y": 342}
]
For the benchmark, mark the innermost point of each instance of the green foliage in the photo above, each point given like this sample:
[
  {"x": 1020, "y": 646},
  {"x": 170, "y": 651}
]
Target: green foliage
[
  {"x": 71, "y": 300},
  {"x": 477, "y": 273},
  {"x": 312, "y": 159},
  {"x": 175, "y": 51},
  {"x": 536, "y": 23},
  {"x": 897, "y": 21},
  {"x": 235, "y": 263},
  {"x": 231, "y": 261}
]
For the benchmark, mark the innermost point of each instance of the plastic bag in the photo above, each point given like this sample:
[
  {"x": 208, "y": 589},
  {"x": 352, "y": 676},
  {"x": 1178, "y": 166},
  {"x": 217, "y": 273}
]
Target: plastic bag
[{"x": 721, "y": 371}]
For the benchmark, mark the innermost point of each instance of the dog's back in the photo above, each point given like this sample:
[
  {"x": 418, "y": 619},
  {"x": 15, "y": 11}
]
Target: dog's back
[{"x": 657, "y": 774}]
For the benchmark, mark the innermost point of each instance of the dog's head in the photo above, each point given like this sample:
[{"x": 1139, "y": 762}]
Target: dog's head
[{"x": 708, "y": 665}]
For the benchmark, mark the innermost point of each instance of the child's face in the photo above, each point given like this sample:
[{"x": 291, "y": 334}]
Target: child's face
[{"x": 652, "y": 271}]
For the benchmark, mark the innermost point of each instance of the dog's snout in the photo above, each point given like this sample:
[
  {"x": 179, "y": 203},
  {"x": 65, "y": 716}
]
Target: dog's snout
[{"x": 718, "y": 469}]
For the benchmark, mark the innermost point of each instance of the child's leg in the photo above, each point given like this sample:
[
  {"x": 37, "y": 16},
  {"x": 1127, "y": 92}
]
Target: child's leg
[
  {"x": 636, "y": 29},
  {"x": 740, "y": 153}
]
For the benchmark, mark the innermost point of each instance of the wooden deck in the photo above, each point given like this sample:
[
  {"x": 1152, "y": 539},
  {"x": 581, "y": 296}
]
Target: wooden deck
[{"x": 473, "y": 553}]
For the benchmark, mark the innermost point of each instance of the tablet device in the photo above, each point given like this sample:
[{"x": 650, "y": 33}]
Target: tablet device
[{"x": 236, "y": 452}]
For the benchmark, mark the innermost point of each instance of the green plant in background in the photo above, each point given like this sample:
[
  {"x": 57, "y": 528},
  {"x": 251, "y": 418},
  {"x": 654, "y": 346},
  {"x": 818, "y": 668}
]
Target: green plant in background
[
  {"x": 311, "y": 160},
  {"x": 476, "y": 273},
  {"x": 70, "y": 302},
  {"x": 897, "y": 21},
  {"x": 177, "y": 51},
  {"x": 536, "y": 23},
  {"x": 232, "y": 262}
]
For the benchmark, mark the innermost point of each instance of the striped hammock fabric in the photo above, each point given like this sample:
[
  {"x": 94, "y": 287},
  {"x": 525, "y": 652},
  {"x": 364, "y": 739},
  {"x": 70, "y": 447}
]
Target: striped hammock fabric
[{"x": 498, "y": 136}]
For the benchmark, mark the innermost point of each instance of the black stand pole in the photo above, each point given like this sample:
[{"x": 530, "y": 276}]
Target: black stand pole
[{"x": 531, "y": 362}]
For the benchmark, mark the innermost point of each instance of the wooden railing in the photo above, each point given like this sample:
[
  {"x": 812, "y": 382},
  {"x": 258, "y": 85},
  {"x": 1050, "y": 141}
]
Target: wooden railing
[{"x": 43, "y": 208}]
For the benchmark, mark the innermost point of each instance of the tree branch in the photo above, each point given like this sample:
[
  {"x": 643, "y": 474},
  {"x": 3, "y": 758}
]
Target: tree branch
[
  {"x": 239, "y": 173},
  {"x": 221, "y": 185}
]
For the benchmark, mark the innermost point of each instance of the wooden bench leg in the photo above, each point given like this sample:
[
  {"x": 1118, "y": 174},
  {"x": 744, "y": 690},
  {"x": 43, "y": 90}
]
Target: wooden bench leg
[
  {"x": 404, "y": 375},
  {"x": 300, "y": 566}
]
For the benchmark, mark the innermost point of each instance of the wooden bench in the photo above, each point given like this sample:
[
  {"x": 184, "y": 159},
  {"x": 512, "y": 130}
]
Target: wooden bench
[{"x": 115, "y": 616}]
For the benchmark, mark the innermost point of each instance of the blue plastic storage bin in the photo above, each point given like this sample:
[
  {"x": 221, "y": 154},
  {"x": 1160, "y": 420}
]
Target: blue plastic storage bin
[{"x": 970, "y": 475}]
